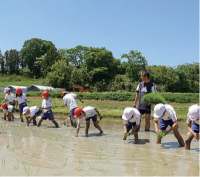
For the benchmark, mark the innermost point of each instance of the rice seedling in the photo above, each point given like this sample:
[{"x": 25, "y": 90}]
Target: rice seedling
[
  {"x": 3, "y": 161},
  {"x": 165, "y": 162},
  {"x": 65, "y": 162},
  {"x": 27, "y": 170},
  {"x": 37, "y": 171},
  {"x": 160, "y": 134},
  {"x": 133, "y": 155},
  {"x": 198, "y": 167},
  {"x": 16, "y": 167},
  {"x": 153, "y": 98},
  {"x": 8, "y": 145}
]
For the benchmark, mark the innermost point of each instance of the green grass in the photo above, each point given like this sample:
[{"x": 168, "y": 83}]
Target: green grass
[{"x": 108, "y": 108}]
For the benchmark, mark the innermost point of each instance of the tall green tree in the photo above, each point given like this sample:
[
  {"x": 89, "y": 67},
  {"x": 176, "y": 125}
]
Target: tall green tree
[
  {"x": 100, "y": 64},
  {"x": 60, "y": 75},
  {"x": 32, "y": 49},
  {"x": 12, "y": 61},
  {"x": 46, "y": 61},
  {"x": 74, "y": 56},
  {"x": 136, "y": 63},
  {"x": 2, "y": 63}
]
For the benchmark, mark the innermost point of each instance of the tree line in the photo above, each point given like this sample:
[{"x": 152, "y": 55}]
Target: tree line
[{"x": 94, "y": 68}]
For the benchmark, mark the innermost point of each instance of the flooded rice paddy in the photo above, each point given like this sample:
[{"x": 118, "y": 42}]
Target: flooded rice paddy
[{"x": 47, "y": 151}]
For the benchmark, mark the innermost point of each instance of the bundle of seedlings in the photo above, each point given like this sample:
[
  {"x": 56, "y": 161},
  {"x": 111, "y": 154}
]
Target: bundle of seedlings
[
  {"x": 153, "y": 98},
  {"x": 160, "y": 134}
]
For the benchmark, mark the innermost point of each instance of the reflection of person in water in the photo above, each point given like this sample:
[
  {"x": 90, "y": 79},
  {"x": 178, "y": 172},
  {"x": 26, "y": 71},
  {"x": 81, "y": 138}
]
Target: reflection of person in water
[
  {"x": 131, "y": 120},
  {"x": 167, "y": 116},
  {"x": 193, "y": 125},
  {"x": 87, "y": 113}
]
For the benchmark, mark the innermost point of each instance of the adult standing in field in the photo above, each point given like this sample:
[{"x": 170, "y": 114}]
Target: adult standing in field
[
  {"x": 144, "y": 87},
  {"x": 10, "y": 97},
  {"x": 70, "y": 102}
]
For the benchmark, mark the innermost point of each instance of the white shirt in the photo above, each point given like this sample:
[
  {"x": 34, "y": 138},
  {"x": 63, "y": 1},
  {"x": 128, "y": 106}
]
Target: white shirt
[
  {"x": 189, "y": 121},
  {"x": 136, "y": 117},
  {"x": 69, "y": 99},
  {"x": 89, "y": 111},
  {"x": 21, "y": 99},
  {"x": 33, "y": 110},
  {"x": 10, "y": 108},
  {"x": 10, "y": 97},
  {"x": 169, "y": 114},
  {"x": 46, "y": 104}
]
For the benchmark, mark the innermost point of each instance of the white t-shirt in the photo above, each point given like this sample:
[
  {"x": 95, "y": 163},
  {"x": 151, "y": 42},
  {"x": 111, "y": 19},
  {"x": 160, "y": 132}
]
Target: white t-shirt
[
  {"x": 46, "y": 104},
  {"x": 10, "y": 97},
  {"x": 69, "y": 99},
  {"x": 10, "y": 108},
  {"x": 136, "y": 117},
  {"x": 189, "y": 121},
  {"x": 21, "y": 99},
  {"x": 169, "y": 114},
  {"x": 33, "y": 110},
  {"x": 89, "y": 111}
]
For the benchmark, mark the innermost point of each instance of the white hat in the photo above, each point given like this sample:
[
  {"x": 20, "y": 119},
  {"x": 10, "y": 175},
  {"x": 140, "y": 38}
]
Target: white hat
[
  {"x": 193, "y": 113},
  {"x": 128, "y": 113},
  {"x": 25, "y": 110},
  {"x": 159, "y": 109},
  {"x": 6, "y": 89}
]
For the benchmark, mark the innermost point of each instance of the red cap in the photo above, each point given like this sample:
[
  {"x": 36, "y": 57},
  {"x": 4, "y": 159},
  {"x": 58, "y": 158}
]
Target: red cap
[
  {"x": 4, "y": 105},
  {"x": 77, "y": 112},
  {"x": 18, "y": 91},
  {"x": 45, "y": 94},
  {"x": 64, "y": 93}
]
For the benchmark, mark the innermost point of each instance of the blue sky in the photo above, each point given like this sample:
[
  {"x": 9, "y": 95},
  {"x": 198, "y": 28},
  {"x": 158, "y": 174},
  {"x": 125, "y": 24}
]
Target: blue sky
[{"x": 166, "y": 32}]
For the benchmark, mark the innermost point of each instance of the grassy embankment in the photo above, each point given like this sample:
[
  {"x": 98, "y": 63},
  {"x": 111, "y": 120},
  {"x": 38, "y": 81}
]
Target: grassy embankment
[{"x": 108, "y": 108}]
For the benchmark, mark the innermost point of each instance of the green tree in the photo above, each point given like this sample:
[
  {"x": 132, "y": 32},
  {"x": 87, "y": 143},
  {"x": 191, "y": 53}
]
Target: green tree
[
  {"x": 74, "y": 56},
  {"x": 136, "y": 63},
  {"x": 32, "y": 49},
  {"x": 2, "y": 63},
  {"x": 12, "y": 60},
  {"x": 46, "y": 61},
  {"x": 60, "y": 75}
]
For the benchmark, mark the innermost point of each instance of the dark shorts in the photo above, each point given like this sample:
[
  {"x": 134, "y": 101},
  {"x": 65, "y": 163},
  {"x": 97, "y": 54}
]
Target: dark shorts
[
  {"x": 164, "y": 124},
  {"x": 13, "y": 106},
  {"x": 21, "y": 107},
  {"x": 48, "y": 115},
  {"x": 133, "y": 124},
  {"x": 94, "y": 118},
  {"x": 72, "y": 112},
  {"x": 195, "y": 127},
  {"x": 39, "y": 112},
  {"x": 144, "y": 111}
]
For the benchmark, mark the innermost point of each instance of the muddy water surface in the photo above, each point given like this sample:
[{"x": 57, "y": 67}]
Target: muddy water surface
[{"x": 50, "y": 151}]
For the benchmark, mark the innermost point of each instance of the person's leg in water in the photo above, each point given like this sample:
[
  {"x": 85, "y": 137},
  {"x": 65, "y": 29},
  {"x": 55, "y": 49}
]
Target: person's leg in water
[
  {"x": 98, "y": 127},
  {"x": 147, "y": 121},
  {"x": 178, "y": 137},
  {"x": 39, "y": 123},
  {"x": 55, "y": 123},
  {"x": 87, "y": 127},
  {"x": 9, "y": 116},
  {"x": 4, "y": 117},
  {"x": 34, "y": 120},
  {"x": 188, "y": 140}
]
